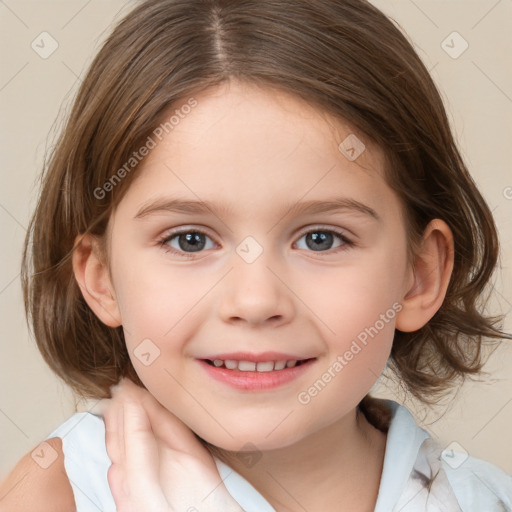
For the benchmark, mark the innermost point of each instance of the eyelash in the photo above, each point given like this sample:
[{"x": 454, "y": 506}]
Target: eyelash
[{"x": 347, "y": 244}]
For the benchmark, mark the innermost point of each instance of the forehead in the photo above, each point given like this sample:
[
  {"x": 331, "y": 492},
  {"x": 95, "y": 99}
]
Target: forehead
[{"x": 243, "y": 146}]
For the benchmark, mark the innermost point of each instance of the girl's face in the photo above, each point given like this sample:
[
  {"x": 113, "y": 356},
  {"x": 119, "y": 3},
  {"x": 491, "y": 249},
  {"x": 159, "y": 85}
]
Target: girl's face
[{"x": 263, "y": 274}]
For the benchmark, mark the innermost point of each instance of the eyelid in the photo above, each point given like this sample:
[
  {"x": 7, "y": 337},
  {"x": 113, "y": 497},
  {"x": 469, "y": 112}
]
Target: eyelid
[
  {"x": 187, "y": 229},
  {"x": 341, "y": 233},
  {"x": 301, "y": 232},
  {"x": 321, "y": 227}
]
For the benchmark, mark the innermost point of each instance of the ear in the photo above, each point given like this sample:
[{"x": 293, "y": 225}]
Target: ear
[
  {"x": 431, "y": 272},
  {"x": 92, "y": 276}
]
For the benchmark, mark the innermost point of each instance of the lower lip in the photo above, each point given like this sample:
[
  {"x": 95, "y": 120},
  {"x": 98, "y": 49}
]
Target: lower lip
[{"x": 256, "y": 381}]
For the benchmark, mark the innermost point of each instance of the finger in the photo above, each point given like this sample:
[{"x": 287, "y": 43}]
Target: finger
[
  {"x": 170, "y": 429},
  {"x": 127, "y": 388},
  {"x": 110, "y": 418},
  {"x": 166, "y": 426},
  {"x": 112, "y": 432},
  {"x": 141, "y": 458},
  {"x": 112, "y": 410},
  {"x": 115, "y": 449},
  {"x": 117, "y": 484}
]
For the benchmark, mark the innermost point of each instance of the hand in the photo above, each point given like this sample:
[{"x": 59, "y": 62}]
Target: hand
[{"x": 158, "y": 465}]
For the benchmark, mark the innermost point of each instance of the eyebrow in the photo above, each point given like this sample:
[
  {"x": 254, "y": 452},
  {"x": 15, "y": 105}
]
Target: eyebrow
[{"x": 185, "y": 206}]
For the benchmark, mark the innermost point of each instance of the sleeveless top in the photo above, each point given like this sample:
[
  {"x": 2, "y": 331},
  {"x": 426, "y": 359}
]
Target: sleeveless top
[{"x": 417, "y": 476}]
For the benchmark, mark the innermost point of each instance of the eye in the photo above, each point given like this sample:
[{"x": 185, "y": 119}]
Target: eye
[
  {"x": 320, "y": 238},
  {"x": 186, "y": 240}
]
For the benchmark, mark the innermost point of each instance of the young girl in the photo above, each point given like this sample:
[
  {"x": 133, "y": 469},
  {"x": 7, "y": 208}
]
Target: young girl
[{"x": 254, "y": 209}]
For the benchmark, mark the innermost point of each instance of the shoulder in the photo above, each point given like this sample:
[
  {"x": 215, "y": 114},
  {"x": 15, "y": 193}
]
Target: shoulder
[
  {"x": 479, "y": 485},
  {"x": 39, "y": 482}
]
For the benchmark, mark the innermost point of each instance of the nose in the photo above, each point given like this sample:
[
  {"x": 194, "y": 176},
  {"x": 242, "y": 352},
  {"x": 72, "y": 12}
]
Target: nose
[{"x": 256, "y": 292}]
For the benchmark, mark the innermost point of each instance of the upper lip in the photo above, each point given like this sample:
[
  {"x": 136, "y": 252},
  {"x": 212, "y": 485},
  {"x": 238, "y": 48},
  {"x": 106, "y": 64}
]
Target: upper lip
[{"x": 256, "y": 358}]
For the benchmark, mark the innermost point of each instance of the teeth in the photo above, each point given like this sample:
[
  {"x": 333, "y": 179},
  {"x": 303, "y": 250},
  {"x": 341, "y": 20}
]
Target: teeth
[
  {"x": 265, "y": 367},
  {"x": 246, "y": 366},
  {"x": 251, "y": 366}
]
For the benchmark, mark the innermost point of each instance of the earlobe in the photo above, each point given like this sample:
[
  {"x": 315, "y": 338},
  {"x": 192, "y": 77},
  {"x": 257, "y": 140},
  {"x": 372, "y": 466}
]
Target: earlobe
[
  {"x": 432, "y": 269},
  {"x": 92, "y": 276}
]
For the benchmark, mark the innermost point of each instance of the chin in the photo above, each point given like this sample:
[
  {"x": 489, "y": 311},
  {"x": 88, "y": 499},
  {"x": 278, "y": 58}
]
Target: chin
[{"x": 250, "y": 439}]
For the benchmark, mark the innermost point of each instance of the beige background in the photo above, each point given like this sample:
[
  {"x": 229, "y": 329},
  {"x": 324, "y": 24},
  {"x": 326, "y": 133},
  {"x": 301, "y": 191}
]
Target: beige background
[{"x": 35, "y": 94}]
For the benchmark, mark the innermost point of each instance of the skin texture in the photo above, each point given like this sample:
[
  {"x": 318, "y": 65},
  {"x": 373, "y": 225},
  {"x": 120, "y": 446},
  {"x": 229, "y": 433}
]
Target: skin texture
[
  {"x": 158, "y": 464},
  {"x": 30, "y": 486},
  {"x": 255, "y": 151}
]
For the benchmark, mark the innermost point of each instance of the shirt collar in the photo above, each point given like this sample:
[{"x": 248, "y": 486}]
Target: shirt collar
[{"x": 403, "y": 442}]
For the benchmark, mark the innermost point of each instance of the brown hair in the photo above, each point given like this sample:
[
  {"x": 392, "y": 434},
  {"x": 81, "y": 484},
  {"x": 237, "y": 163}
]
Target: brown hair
[{"x": 344, "y": 57}]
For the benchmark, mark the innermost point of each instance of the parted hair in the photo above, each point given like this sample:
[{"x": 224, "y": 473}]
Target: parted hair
[{"x": 345, "y": 58}]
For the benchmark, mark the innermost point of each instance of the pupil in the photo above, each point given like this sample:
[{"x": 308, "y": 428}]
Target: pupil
[
  {"x": 192, "y": 240},
  {"x": 319, "y": 239}
]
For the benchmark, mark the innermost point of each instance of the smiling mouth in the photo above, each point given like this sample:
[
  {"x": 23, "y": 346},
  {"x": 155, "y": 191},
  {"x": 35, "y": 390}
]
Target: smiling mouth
[{"x": 260, "y": 367}]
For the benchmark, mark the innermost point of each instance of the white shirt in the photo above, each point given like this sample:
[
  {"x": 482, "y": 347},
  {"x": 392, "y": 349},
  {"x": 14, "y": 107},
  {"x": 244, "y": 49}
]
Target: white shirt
[{"x": 463, "y": 483}]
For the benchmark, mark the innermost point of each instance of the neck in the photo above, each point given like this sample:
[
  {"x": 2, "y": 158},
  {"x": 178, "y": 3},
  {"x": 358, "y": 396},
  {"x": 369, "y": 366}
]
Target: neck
[{"x": 341, "y": 463}]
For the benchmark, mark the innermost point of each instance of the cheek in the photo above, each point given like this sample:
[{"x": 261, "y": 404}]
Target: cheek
[
  {"x": 159, "y": 317},
  {"x": 347, "y": 300},
  {"x": 358, "y": 332},
  {"x": 153, "y": 299},
  {"x": 357, "y": 306}
]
